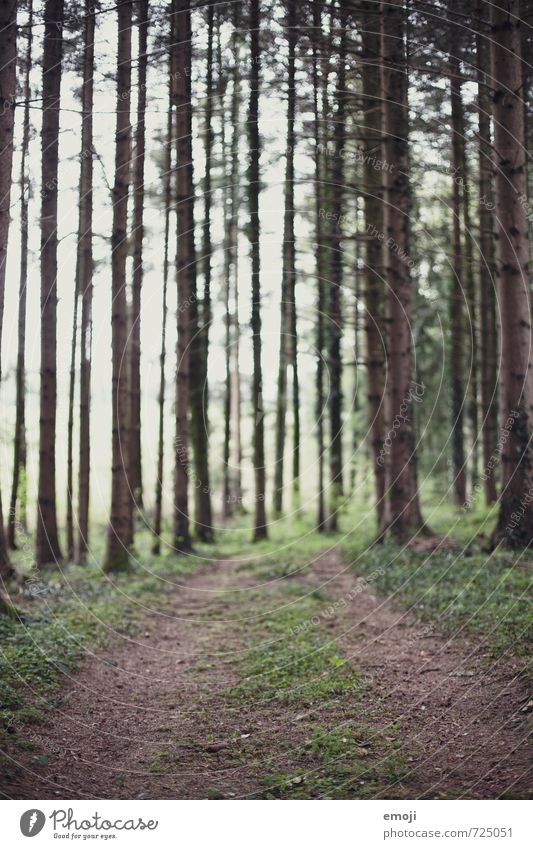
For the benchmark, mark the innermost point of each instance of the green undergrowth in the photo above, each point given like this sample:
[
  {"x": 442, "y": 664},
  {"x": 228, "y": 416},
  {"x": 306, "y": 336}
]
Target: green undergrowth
[
  {"x": 346, "y": 762},
  {"x": 290, "y": 659},
  {"x": 463, "y": 587},
  {"x": 63, "y": 613}
]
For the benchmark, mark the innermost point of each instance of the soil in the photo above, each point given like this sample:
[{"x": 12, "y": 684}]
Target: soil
[{"x": 150, "y": 717}]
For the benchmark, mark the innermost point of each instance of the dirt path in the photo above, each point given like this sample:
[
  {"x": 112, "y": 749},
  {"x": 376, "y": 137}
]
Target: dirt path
[{"x": 377, "y": 706}]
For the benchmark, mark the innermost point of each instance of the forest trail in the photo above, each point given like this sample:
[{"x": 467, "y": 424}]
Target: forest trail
[{"x": 274, "y": 683}]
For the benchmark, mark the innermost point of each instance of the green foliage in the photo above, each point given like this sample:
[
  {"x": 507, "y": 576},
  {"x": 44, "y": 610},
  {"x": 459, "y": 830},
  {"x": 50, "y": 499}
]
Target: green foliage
[
  {"x": 342, "y": 763},
  {"x": 461, "y": 588}
]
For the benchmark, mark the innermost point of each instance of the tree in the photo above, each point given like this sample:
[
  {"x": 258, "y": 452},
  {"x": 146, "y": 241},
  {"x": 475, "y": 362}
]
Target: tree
[
  {"x": 288, "y": 345},
  {"x": 200, "y": 322},
  {"x": 167, "y": 194},
  {"x": 85, "y": 282},
  {"x": 185, "y": 259},
  {"x": 120, "y": 526},
  {"x": 374, "y": 293},
  {"x": 18, "y": 487},
  {"x": 259, "y": 525},
  {"x": 402, "y": 516},
  {"x": 457, "y": 292},
  {"x": 8, "y": 80},
  {"x": 235, "y": 478},
  {"x": 47, "y": 538},
  {"x": 319, "y": 94},
  {"x": 334, "y": 305},
  {"x": 135, "y": 464},
  {"x": 487, "y": 313},
  {"x": 515, "y": 519}
]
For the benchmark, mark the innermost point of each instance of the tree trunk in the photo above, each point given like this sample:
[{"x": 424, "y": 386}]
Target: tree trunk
[
  {"x": 185, "y": 259},
  {"x": 8, "y": 91},
  {"x": 374, "y": 292},
  {"x": 70, "y": 421},
  {"x": 471, "y": 299},
  {"x": 515, "y": 519},
  {"x": 335, "y": 293},
  {"x": 487, "y": 298},
  {"x": 403, "y": 516},
  {"x": 120, "y": 527},
  {"x": 457, "y": 293},
  {"x": 201, "y": 320},
  {"x": 18, "y": 488},
  {"x": 167, "y": 192},
  {"x": 233, "y": 251},
  {"x": 320, "y": 100},
  {"x": 287, "y": 337},
  {"x": 259, "y": 526},
  {"x": 47, "y": 539},
  {"x": 135, "y": 465},
  {"x": 85, "y": 284}
]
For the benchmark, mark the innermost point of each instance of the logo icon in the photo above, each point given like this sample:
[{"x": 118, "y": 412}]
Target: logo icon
[{"x": 32, "y": 822}]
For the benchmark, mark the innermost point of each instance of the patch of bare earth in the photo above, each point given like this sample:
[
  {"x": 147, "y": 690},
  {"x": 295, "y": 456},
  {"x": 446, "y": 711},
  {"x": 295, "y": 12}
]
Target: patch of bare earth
[{"x": 151, "y": 717}]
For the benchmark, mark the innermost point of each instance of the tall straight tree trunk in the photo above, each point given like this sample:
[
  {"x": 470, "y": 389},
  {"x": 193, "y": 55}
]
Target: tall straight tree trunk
[
  {"x": 233, "y": 387},
  {"x": 85, "y": 283},
  {"x": 8, "y": 92},
  {"x": 403, "y": 515},
  {"x": 185, "y": 260},
  {"x": 201, "y": 320},
  {"x": 487, "y": 297},
  {"x": 167, "y": 192},
  {"x": 135, "y": 465},
  {"x": 120, "y": 526},
  {"x": 287, "y": 342},
  {"x": 18, "y": 487},
  {"x": 320, "y": 101},
  {"x": 471, "y": 297},
  {"x": 227, "y": 506},
  {"x": 374, "y": 291},
  {"x": 290, "y": 248},
  {"x": 47, "y": 538},
  {"x": 259, "y": 525},
  {"x": 70, "y": 422},
  {"x": 457, "y": 293},
  {"x": 335, "y": 292},
  {"x": 515, "y": 519}
]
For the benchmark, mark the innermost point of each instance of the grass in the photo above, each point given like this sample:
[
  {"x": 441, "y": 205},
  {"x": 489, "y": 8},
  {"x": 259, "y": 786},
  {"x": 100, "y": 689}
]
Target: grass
[
  {"x": 346, "y": 762},
  {"x": 289, "y": 660},
  {"x": 486, "y": 594}
]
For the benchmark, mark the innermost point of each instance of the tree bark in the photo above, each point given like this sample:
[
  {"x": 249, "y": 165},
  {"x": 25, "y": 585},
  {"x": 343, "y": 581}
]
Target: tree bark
[
  {"x": 8, "y": 92},
  {"x": 472, "y": 307},
  {"x": 515, "y": 519},
  {"x": 185, "y": 260},
  {"x": 120, "y": 526},
  {"x": 259, "y": 525},
  {"x": 167, "y": 192},
  {"x": 70, "y": 423},
  {"x": 320, "y": 102},
  {"x": 457, "y": 292},
  {"x": 135, "y": 463},
  {"x": 18, "y": 488},
  {"x": 85, "y": 284},
  {"x": 233, "y": 254},
  {"x": 335, "y": 292},
  {"x": 47, "y": 538},
  {"x": 487, "y": 298},
  {"x": 374, "y": 291},
  {"x": 200, "y": 322},
  {"x": 403, "y": 516},
  {"x": 287, "y": 338}
]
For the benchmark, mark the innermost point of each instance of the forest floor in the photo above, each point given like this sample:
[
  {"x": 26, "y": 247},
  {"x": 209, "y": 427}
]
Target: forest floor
[{"x": 282, "y": 676}]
